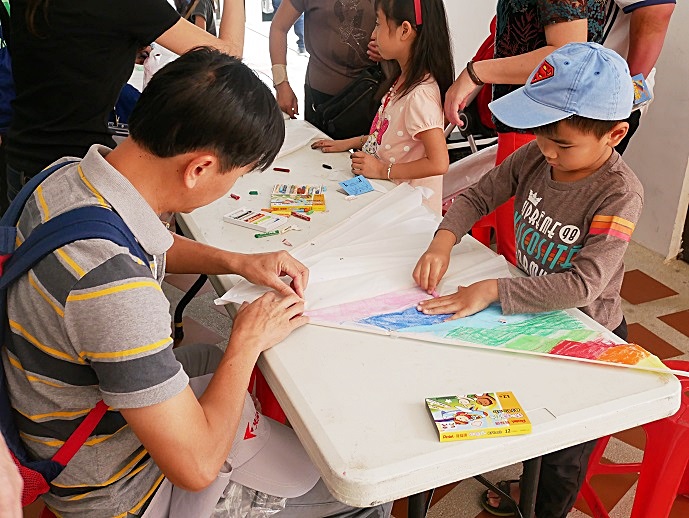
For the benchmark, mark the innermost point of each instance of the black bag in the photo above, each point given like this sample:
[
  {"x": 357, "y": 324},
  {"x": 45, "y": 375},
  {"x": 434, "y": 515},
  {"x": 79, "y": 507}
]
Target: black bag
[{"x": 351, "y": 112}]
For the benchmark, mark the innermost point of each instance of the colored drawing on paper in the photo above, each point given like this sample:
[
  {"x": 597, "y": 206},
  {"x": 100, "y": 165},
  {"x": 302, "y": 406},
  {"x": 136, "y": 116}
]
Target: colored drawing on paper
[{"x": 553, "y": 333}]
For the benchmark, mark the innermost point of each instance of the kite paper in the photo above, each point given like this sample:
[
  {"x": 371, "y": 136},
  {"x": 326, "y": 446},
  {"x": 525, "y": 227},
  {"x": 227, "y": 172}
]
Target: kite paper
[
  {"x": 555, "y": 333},
  {"x": 360, "y": 278}
]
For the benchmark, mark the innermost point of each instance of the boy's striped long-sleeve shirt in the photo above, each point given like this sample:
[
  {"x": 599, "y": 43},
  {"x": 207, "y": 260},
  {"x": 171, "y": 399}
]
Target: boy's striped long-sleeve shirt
[{"x": 571, "y": 236}]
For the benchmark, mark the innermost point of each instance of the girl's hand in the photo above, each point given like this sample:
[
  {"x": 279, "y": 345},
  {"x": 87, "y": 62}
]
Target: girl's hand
[
  {"x": 456, "y": 97},
  {"x": 372, "y": 51},
  {"x": 467, "y": 301},
  {"x": 287, "y": 100},
  {"x": 331, "y": 146},
  {"x": 368, "y": 165}
]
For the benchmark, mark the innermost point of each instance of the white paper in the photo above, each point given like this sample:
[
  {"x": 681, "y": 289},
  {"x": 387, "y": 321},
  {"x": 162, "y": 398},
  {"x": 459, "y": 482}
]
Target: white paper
[{"x": 372, "y": 253}]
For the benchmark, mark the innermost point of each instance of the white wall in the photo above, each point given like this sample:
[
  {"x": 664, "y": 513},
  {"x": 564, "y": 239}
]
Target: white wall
[
  {"x": 469, "y": 26},
  {"x": 659, "y": 151}
]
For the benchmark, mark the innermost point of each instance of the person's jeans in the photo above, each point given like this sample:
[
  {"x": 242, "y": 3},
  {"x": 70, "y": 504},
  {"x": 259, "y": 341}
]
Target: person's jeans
[{"x": 298, "y": 25}]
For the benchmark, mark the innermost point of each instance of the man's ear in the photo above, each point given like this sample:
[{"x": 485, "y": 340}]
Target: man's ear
[
  {"x": 617, "y": 133},
  {"x": 197, "y": 166}
]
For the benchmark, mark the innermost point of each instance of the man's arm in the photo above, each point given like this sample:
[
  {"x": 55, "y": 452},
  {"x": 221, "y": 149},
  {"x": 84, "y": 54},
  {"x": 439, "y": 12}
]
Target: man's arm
[
  {"x": 189, "y": 439},
  {"x": 647, "y": 29},
  {"x": 184, "y": 35},
  {"x": 188, "y": 256}
]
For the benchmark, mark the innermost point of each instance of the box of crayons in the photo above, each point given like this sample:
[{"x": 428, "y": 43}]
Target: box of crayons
[{"x": 255, "y": 219}]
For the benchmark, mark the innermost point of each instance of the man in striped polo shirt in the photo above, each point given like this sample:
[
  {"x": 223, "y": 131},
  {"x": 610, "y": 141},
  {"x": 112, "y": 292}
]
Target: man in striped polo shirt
[{"x": 90, "y": 321}]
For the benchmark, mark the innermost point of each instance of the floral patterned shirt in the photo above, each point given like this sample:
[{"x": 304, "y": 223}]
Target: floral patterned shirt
[{"x": 521, "y": 28}]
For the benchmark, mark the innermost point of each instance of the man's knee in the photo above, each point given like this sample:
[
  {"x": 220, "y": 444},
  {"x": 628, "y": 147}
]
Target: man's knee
[{"x": 199, "y": 359}]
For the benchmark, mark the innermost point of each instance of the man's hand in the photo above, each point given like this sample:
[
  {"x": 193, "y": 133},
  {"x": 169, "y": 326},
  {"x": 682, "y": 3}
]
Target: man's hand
[
  {"x": 368, "y": 165},
  {"x": 287, "y": 100},
  {"x": 456, "y": 97},
  {"x": 266, "y": 270},
  {"x": 267, "y": 321},
  {"x": 467, "y": 301}
]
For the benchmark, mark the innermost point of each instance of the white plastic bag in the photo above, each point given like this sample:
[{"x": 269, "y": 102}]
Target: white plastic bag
[
  {"x": 157, "y": 59},
  {"x": 241, "y": 502}
]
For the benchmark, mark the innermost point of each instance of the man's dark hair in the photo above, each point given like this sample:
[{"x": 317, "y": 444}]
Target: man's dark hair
[
  {"x": 208, "y": 100},
  {"x": 577, "y": 122}
]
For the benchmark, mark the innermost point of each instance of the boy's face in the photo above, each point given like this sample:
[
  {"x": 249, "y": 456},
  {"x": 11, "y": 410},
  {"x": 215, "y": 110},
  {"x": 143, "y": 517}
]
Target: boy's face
[{"x": 574, "y": 155}]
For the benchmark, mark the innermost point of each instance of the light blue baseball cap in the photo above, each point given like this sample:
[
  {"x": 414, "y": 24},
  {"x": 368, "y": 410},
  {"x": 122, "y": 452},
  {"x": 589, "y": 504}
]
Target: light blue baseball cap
[{"x": 583, "y": 79}]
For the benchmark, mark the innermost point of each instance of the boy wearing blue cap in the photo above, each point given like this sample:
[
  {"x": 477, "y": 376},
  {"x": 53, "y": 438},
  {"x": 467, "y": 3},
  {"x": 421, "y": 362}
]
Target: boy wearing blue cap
[{"x": 576, "y": 206}]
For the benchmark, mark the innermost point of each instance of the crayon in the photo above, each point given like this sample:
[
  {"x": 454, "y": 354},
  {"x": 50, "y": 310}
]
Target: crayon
[
  {"x": 253, "y": 193},
  {"x": 326, "y": 166},
  {"x": 281, "y": 169},
  {"x": 301, "y": 216},
  {"x": 243, "y": 215},
  {"x": 266, "y": 234},
  {"x": 234, "y": 196}
]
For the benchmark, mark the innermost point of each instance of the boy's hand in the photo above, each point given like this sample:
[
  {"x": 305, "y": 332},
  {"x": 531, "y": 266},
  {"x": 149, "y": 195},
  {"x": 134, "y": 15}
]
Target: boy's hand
[
  {"x": 467, "y": 301},
  {"x": 430, "y": 268},
  {"x": 266, "y": 270},
  {"x": 433, "y": 264},
  {"x": 330, "y": 146},
  {"x": 267, "y": 321},
  {"x": 368, "y": 165}
]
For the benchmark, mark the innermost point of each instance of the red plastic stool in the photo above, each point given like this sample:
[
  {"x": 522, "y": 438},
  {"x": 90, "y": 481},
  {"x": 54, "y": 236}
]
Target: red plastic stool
[
  {"x": 502, "y": 221},
  {"x": 270, "y": 407},
  {"x": 663, "y": 472}
]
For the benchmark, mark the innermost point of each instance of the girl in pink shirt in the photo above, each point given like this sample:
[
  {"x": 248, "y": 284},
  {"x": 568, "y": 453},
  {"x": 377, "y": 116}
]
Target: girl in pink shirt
[{"x": 406, "y": 141}]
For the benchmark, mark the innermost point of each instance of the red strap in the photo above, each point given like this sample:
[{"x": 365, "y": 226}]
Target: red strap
[{"x": 81, "y": 434}]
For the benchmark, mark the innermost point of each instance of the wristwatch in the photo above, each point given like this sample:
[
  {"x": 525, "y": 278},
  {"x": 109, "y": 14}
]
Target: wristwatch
[{"x": 279, "y": 74}]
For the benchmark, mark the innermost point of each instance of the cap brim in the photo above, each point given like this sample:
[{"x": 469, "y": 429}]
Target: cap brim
[
  {"x": 281, "y": 468},
  {"x": 518, "y": 110}
]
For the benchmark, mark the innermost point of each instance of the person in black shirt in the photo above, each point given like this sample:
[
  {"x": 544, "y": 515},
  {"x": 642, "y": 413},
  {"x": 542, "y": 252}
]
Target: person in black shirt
[{"x": 70, "y": 60}]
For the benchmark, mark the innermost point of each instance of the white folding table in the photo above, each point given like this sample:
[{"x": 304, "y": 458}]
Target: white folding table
[{"x": 356, "y": 400}]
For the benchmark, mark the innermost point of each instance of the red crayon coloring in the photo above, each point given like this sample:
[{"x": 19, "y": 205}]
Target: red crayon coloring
[
  {"x": 234, "y": 196},
  {"x": 301, "y": 216},
  {"x": 281, "y": 169}
]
